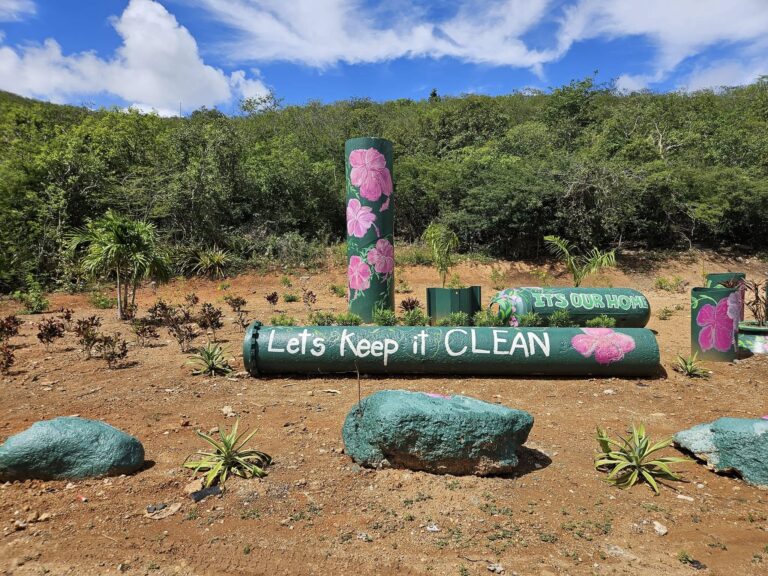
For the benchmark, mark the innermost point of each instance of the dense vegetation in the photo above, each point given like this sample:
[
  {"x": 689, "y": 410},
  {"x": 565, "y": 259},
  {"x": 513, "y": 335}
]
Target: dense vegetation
[{"x": 583, "y": 162}]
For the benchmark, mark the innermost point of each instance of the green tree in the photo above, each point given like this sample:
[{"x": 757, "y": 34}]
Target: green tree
[
  {"x": 580, "y": 266},
  {"x": 443, "y": 243}
]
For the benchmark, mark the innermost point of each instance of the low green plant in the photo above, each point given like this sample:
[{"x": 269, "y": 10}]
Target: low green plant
[
  {"x": 690, "y": 367},
  {"x": 32, "y": 298},
  {"x": 290, "y": 297},
  {"x": 102, "y": 300},
  {"x": 282, "y": 320},
  {"x": 338, "y": 290},
  {"x": 455, "y": 282},
  {"x": 664, "y": 314},
  {"x": 319, "y": 318},
  {"x": 455, "y": 319},
  {"x": 674, "y": 284},
  {"x": 211, "y": 262},
  {"x": 402, "y": 287},
  {"x": 286, "y": 282},
  {"x": 486, "y": 318},
  {"x": 348, "y": 319},
  {"x": 210, "y": 360},
  {"x": 228, "y": 456},
  {"x": 602, "y": 321},
  {"x": 628, "y": 460},
  {"x": 416, "y": 254},
  {"x": 384, "y": 317},
  {"x": 498, "y": 278},
  {"x": 530, "y": 320},
  {"x": 415, "y": 317},
  {"x": 560, "y": 319}
]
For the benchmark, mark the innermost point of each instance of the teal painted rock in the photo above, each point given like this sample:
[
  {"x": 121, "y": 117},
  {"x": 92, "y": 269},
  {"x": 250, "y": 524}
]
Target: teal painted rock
[
  {"x": 737, "y": 445},
  {"x": 441, "y": 434},
  {"x": 69, "y": 447}
]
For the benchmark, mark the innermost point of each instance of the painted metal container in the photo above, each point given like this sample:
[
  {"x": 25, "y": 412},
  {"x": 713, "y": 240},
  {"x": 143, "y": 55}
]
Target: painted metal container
[
  {"x": 752, "y": 339},
  {"x": 370, "y": 226},
  {"x": 715, "y": 315},
  {"x": 719, "y": 279},
  {"x": 628, "y": 307},
  {"x": 442, "y": 302},
  {"x": 478, "y": 351}
]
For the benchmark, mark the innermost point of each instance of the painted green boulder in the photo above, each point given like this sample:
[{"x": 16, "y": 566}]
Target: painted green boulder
[
  {"x": 737, "y": 445},
  {"x": 68, "y": 448},
  {"x": 435, "y": 433}
]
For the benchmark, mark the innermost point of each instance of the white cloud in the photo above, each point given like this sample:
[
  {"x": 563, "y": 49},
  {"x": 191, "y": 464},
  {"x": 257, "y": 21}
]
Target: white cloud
[
  {"x": 156, "y": 67},
  {"x": 13, "y": 10},
  {"x": 677, "y": 29}
]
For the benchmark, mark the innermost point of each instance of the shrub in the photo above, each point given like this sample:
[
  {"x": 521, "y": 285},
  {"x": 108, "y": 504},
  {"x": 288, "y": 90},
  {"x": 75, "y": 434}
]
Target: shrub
[
  {"x": 322, "y": 318},
  {"x": 101, "y": 300},
  {"x": 579, "y": 266},
  {"x": 690, "y": 366},
  {"x": 530, "y": 320},
  {"x": 757, "y": 301},
  {"x": 418, "y": 254},
  {"x": 237, "y": 304},
  {"x": 144, "y": 331},
  {"x": 210, "y": 360},
  {"x": 415, "y": 317},
  {"x": 210, "y": 318},
  {"x": 7, "y": 357},
  {"x": 182, "y": 332},
  {"x": 282, "y": 320},
  {"x": 65, "y": 315},
  {"x": 402, "y": 287},
  {"x": 338, "y": 290},
  {"x": 272, "y": 298},
  {"x": 455, "y": 319},
  {"x": 87, "y": 333},
  {"x": 665, "y": 313},
  {"x": 443, "y": 242},
  {"x": 628, "y": 460},
  {"x": 674, "y": 284},
  {"x": 159, "y": 312},
  {"x": 309, "y": 298},
  {"x": 384, "y": 317},
  {"x": 286, "y": 282},
  {"x": 602, "y": 321},
  {"x": 409, "y": 304},
  {"x": 455, "y": 282},
  {"x": 191, "y": 300},
  {"x": 228, "y": 457},
  {"x": 49, "y": 330},
  {"x": 289, "y": 297},
  {"x": 211, "y": 263},
  {"x": 560, "y": 319},
  {"x": 33, "y": 299},
  {"x": 112, "y": 348},
  {"x": 9, "y": 327},
  {"x": 486, "y": 318},
  {"x": 498, "y": 278},
  {"x": 348, "y": 319}
]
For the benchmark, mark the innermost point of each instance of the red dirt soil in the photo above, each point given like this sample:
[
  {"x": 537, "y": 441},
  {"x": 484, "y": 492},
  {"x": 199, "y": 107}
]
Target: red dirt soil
[{"x": 319, "y": 513}]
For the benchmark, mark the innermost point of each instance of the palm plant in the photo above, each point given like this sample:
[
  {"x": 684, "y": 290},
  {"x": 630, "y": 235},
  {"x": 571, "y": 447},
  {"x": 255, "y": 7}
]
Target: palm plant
[
  {"x": 229, "y": 457},
  {"x": 212, "y": 262},
  {"x": 443, "y": 242},
  {"x": 628, "y": 460},
  {"x": 579, "y": 266},
  {"x": 690, "y": 366},
  {"x": 210, "y": 360},
  {"x": 128, "y": 249}
]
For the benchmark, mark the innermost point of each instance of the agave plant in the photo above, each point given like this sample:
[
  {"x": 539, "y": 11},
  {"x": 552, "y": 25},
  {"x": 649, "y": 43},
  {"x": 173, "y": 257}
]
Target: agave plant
[
  {"x": 228, "y": 457},
  {"x": 690, "y": 366},
  {"x": 628, "y": 460},
  {"x": 210, "y": 360},
  {"x": 212, "y": 262}
]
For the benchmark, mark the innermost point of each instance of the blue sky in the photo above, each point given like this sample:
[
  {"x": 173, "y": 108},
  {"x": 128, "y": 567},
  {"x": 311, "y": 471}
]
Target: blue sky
[{"x": 171, "y": 55}]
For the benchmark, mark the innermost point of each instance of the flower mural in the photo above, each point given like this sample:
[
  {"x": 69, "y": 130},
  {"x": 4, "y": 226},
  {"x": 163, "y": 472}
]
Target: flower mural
[
  {"x": 370, "y": 174},
  {"x": 605, "y": 344},
  {"x": 717, "y": 326},
  {"x": 510, "y": 304},
  {"x": 359, "y": 218},
  {"x": 736, "y": 305},
  {"x": 358, "y": 274},
  {"x": 382, "y": 257}
]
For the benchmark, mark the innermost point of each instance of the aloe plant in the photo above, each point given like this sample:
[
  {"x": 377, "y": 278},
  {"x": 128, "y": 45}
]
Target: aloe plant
[
  {"x": 228, "y": 457},
  {"x": 628, "y": 460}
]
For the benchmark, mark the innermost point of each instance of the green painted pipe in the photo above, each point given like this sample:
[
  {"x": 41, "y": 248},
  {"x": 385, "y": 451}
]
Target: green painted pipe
[
  {"x": 628, "y": 307},
  {"x": 450, "y": 350},
  {"x": 370, "y": 226}
]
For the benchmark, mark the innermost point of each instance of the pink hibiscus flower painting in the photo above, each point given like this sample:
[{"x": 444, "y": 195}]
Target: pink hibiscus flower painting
[
  {"x": 605, "y": 344},
  {"x": 717, "y": 327},
  {"x": 382, "y": 257},
  {"x": 359, "y": 274},
  {"x": 736, "y": 305},
  {"x": 359, "y": 218},
  {"x": 370, "y": 174}
]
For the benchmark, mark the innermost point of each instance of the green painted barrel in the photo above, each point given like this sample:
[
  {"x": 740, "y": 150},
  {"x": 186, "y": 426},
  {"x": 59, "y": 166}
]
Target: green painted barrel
[
  {"x": 721, "y": 279},
  {"x": 451, "y": 350},
  {"x": 715, "y": 315},
  {"x": 628, "y": 307},
  {"x": 370, "y": 226}
]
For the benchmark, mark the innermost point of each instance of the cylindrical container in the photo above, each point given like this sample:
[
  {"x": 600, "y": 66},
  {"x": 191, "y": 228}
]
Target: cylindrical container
[
  {"x": 715, "y": 315},
  {"x": 451, "y": 350},
  {"x": 752, "y": 339},
  {"x": 729, "y": 280},
  {"x": 628, "y": 307},
  {"x": 370, "y": 226}
]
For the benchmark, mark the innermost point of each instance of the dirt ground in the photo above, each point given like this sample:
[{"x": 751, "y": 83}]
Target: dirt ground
[{"x": 319, "y": 513}]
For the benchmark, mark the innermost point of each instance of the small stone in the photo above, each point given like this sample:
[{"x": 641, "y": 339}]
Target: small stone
[
  {"x": 433, "y": 527},
  {"x": 609, "y": 392},
  {"x": 193, "y": 486},
  {"x": 19, "y": 525},
  {"x": 496, "y": 568},
  {"x": 213, "y": 430},
  {"x": 228, "y": 412},
  {"x": 45, "y": 516},
  {"x": 684, "y": 497},
  {"x": 659, "y": 528},
  {"x": 365, "y": 537}
]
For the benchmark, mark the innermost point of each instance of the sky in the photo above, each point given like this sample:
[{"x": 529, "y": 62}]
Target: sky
[{"x": 175, "y": 56}]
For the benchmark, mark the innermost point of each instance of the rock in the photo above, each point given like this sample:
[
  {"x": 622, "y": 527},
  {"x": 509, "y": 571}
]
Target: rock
[
  {"x": 441, "y": 434},
  {"x": 228, "y": 412},
  {"x": 659, "y": 528},
  {"x": 495, "y": 568},
  {"x": 737, "y": 445},
  {"x": 69, "y": 447}
]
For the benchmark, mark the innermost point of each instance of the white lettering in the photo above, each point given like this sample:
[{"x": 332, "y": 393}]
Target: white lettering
[
  {"x": 270, "y": 347},
  {"x": 475, "y": 349},
  {"x": 497, "y": 341},
  {"x": 318, "y": 347},
  {"x": 544, "y": 345},
  {"x": 447, "y": 342}
]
